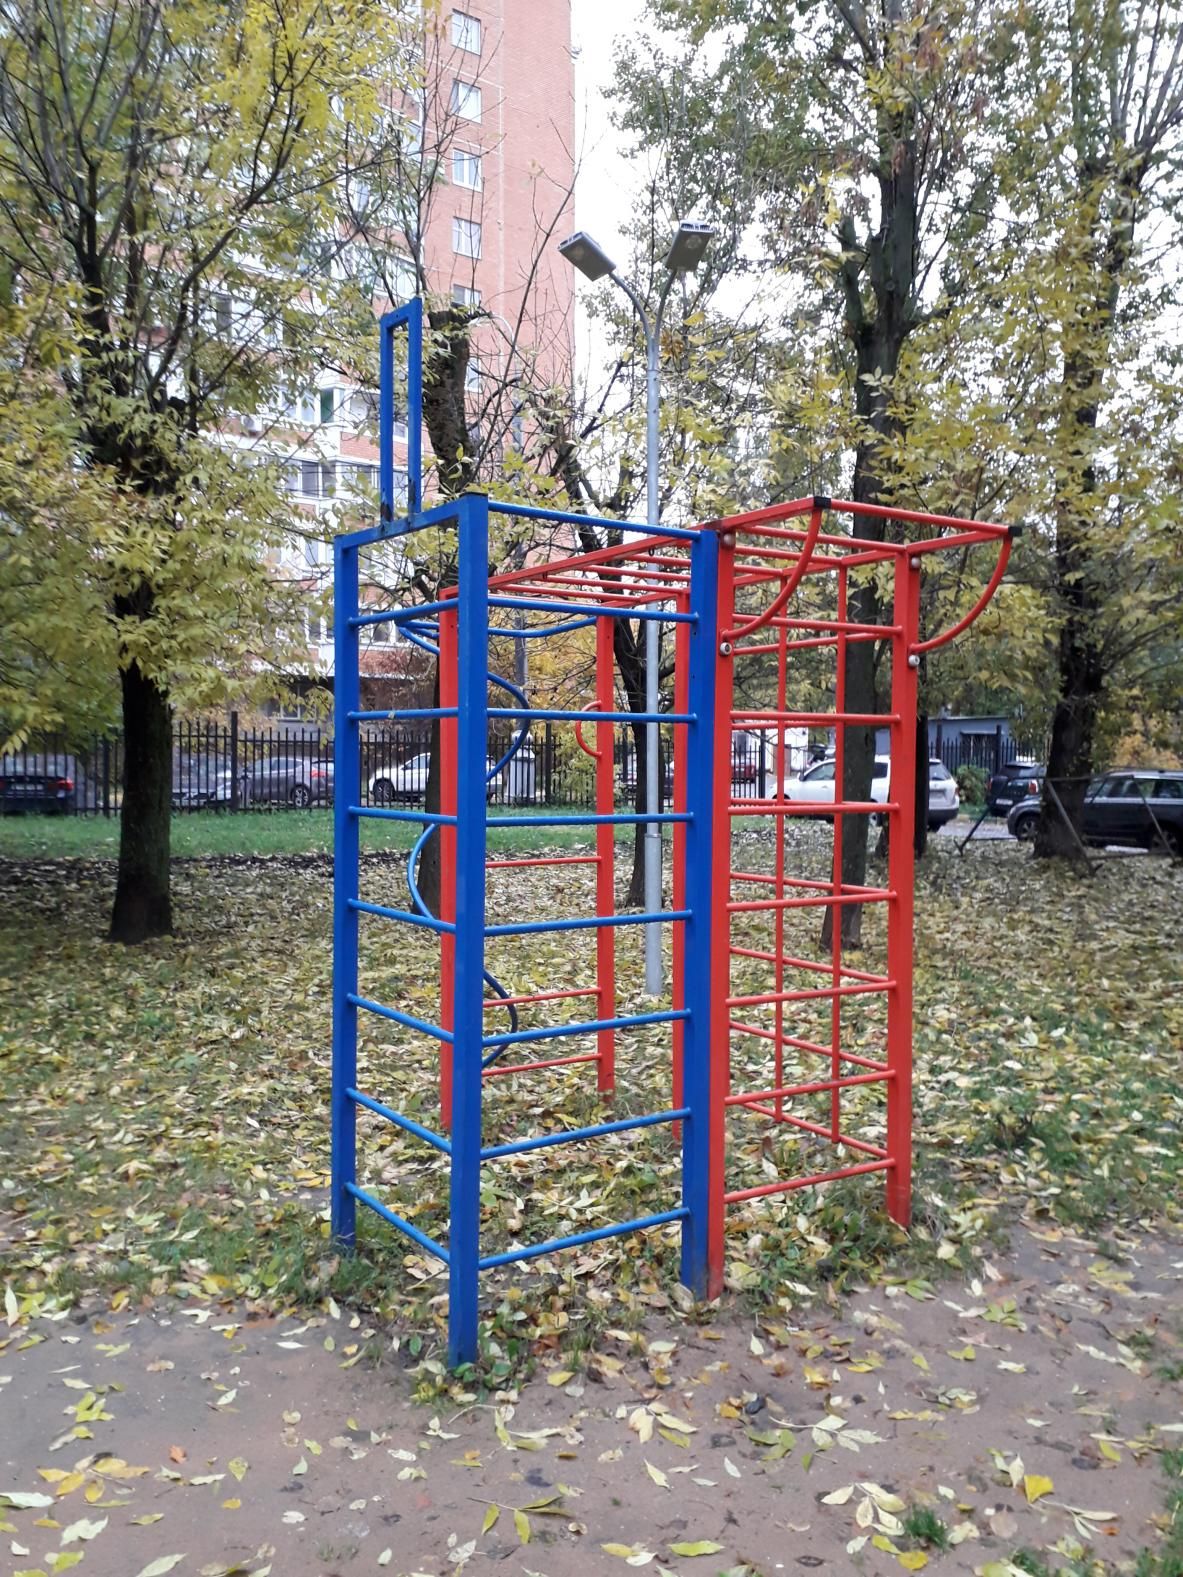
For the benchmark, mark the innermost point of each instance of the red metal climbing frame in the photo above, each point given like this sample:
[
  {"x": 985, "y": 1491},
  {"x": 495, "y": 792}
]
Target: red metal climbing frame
[{"x": 798, "y": 1036}]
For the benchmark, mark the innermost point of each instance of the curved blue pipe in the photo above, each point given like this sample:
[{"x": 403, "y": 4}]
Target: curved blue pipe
[{"x": 421, "y": 640}]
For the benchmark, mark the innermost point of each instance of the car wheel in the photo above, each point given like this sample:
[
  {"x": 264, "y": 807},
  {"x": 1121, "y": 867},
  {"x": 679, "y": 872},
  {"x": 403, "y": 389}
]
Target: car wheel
[
  {"x": 383, "y": 791},
  {"x": 1168, "y": 841},
  {"x": 1024, "y": 828},
  {"x": 300, "y": 796}
]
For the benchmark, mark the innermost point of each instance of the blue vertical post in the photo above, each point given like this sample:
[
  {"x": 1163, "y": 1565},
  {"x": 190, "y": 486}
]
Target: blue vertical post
[
  {"x": 468, "y": 992},
  {"x": 409, "y": 317},
  {"x": 696, "y": 1034},
  {"x": 346, "y": 794}
]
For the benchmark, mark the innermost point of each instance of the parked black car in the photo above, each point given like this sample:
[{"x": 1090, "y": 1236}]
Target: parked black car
[
  {"x": 200, "y": 780},
  {"x": 1011, "y": 783},
  {"x": 47, "y": 784},
  {"x": 1143, "y": 809}
]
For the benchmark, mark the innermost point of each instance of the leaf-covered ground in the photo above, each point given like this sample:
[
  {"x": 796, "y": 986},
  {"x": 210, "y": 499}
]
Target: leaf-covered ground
[{"x": 165, "y": 1115}]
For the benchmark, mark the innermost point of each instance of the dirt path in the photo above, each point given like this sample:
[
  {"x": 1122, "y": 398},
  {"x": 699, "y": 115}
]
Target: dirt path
[{"x": 214, "y": 1444}]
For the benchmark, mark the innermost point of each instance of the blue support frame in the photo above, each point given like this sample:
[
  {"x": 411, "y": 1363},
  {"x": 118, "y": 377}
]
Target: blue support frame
[
  {"x": 346, "y": 847},
  {"x": 469, "y": 976},
  {"x": 472, "y": 1048},
  {"x": 410, "y": 318},
  {"x": 696, "y": 1043}
]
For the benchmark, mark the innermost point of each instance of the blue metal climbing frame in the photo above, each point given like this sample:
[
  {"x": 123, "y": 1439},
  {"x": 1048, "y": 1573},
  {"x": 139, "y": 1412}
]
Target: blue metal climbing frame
[{"x": 463, "y": 1038}]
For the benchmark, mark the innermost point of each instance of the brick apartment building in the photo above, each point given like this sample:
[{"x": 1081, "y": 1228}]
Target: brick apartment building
[{"x": 496, "y": 119}]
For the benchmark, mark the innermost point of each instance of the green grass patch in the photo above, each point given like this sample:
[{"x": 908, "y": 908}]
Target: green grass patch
[
  {"x": 924, "y": 1527},
  {"x": 1167, "y": 1559},
  {"x": 221, "y": 834}
]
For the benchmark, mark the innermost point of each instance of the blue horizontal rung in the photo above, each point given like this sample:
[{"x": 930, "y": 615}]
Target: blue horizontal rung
[
  {"x": 663, "y": 1218},
  {"x": 559, "y": 1031},
  {"x": 403, "y": 1225},
  {"x": 619, "y": 611},
  {"x": 537, "y": 512},
  {"x": 401, "y": 712},
  {"x": 401, "y": 615},
  {"x": 576, "y": 1135},
  {"x": 427, "y": 920},
  {"x": 588, "y": 923},
  {"x": 376, "y": 813},
  {"x": 544, "y": 714},
  {"x": 500, "y": 630},
  {"x": 395, "y": 1017},
  {"x": 625, "y": 820},
  {"x": 408, "y": 1124}
]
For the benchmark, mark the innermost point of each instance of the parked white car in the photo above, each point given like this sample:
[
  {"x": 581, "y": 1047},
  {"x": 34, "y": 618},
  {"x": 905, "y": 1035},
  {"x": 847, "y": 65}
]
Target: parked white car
[
  {"x": 815, "y": 786},
  {"x": 408, "y": 780}
]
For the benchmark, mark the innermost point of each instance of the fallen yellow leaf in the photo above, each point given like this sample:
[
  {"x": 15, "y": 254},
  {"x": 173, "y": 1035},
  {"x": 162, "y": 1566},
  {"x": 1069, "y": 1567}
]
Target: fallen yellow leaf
[{"x": 1035, "y": 1485}]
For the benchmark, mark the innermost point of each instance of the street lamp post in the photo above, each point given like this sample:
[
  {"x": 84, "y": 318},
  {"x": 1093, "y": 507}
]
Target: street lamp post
[{"x": 686, "y": 250}]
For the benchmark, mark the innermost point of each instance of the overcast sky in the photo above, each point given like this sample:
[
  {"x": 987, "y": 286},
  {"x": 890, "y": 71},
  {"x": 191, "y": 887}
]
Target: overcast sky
[{"x": 605, "y": 182}]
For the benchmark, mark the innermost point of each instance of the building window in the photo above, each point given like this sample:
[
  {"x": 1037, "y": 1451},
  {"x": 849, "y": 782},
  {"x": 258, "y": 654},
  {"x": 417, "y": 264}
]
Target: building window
[
  {"x": 466, "y": 169},
  {"x": 380, "y": 634},
  {"x": 404, "y": 281},
  {"x": 472, "y": 375},
  {"x": 317, "y": 479},
  {"x": 320, "y": 629},
  {"x": 466, "y": 100},
  {"x": 465, "y": 296},
  {"x": 328, "y": 404},
  {"x": 224, "y": 315},
  {"x": 466, "y": 33},
  {"x": 466, "y": 238}
]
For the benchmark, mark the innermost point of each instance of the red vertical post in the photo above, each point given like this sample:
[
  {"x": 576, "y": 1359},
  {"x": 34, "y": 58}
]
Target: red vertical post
[
  {"x": 449, "y": 697},
  {"x": 836, "y": 911},
  {"x": 900, "y": 877},
  {"x": 678, "y": 940},
  {"x": 782, "y": 705},
  {"x": 720, "y": 1028},
  {"x": 605, "y": 859}
]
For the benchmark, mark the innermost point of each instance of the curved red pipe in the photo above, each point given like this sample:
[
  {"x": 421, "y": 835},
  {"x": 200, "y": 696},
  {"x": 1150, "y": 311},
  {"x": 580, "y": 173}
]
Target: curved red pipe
[
  {"x": 964, "y": 624},
  {"x": 789, "y": 587}
]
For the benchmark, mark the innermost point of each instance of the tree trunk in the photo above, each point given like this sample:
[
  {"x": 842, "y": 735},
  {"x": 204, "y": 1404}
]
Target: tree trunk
[
  {"x": 858, "y": 760},
  {"x": 1082, "y": 593},
  {"x": 1082, "y": 674},
  {"x": 143, "y": 907},
  {"x": 629, "y": 651},
  {"x": 920, "y": 831}
]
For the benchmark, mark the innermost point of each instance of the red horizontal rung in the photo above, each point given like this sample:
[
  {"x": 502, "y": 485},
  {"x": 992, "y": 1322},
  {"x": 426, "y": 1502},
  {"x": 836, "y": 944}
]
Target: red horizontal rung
[
  {"x": 538, "y": 996},
  {"x": 816, "y": 719},
  {"x": 801, "y": 807},
  {"x": 764, "y": 1189},
  {"x": 846, "y": 1081},
  {"x": 822, "y": 968},
  {"x": 859, "y": 988},
  {"x": 558, "y": 859},
  {"x": 497, "y": 1071},
  {"x": 755, "y": 905},
  {"x": 799, "y": 1044}
]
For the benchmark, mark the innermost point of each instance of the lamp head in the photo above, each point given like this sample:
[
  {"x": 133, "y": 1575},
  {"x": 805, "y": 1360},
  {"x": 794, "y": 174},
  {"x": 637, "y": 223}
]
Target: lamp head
[
  {"x": 587, "y": 256},
  {"x": 688, "y": 246}
]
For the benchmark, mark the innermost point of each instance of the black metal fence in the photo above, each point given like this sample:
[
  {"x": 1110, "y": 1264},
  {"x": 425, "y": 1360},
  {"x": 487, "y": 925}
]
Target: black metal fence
[
  {"x": 989, "y": 751},
  {"x": 228, "y": 767}
]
